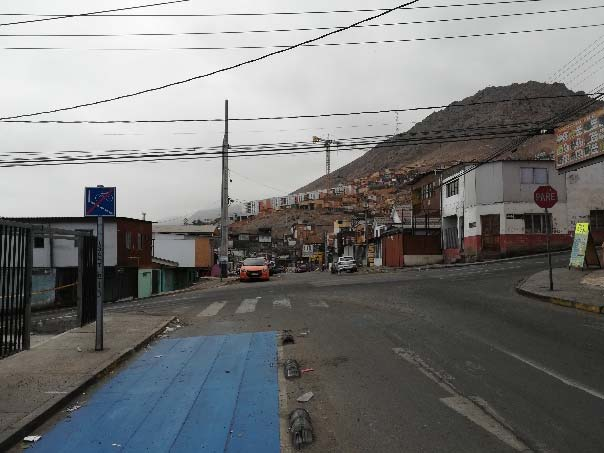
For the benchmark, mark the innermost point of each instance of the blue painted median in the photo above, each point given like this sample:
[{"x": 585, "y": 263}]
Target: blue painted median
[{"x": 200, "y": 394}]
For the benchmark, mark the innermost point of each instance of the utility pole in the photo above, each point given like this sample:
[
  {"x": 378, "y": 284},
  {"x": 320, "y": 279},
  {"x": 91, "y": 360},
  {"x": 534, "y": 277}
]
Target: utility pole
[
  {"x": 366, "y": 235},
  {"x": 224, "y": 229}
]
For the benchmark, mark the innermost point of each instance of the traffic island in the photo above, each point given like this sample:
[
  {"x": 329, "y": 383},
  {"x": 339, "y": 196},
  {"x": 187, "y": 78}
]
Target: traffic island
[
  {"x": 35, "y": 384},
  {"x": 572, "y": 289}
]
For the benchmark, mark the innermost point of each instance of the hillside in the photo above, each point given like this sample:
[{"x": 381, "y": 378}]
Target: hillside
[{"x": 457, "y": 121}]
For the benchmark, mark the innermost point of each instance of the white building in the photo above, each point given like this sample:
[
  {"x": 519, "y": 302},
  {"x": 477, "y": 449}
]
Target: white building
[
  {"x": 585, "y": 188},
  {"x": 252, "y": 208},
  {"x": 490, "y": 210}
]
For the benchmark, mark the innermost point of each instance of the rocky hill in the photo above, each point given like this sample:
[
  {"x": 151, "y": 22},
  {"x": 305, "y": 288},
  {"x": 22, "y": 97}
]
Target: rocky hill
[{"x": 457, "y": 133}]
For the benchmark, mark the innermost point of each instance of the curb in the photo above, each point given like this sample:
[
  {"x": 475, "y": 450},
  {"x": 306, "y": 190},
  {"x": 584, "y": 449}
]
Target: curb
[
  {"x": 43, "y": 413},
  {"x": 561, "y": 302},
  {"x": 474, "y": 263}
]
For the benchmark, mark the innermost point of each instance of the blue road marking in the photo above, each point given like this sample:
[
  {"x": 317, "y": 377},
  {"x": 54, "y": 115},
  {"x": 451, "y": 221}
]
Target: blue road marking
[{"x": 210, "y": 394}]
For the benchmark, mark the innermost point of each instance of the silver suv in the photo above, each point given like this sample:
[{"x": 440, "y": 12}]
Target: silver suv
[{"x": 344, "y": 264}]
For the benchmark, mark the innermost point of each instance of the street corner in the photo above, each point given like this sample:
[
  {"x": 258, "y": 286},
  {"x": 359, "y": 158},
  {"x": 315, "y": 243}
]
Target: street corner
[{"x": 211, "y": 393}]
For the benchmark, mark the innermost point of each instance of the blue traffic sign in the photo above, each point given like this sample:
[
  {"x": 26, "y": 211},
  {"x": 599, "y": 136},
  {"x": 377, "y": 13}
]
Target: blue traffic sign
[{"x": 99, "y": 202}]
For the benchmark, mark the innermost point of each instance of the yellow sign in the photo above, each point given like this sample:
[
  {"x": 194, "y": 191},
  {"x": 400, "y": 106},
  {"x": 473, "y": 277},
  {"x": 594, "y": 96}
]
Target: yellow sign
[{"x": 582, "y": 228}]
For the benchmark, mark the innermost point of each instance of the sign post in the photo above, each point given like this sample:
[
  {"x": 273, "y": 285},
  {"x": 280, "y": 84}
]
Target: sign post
[
  {"x": 99, "y": 202},
  {"x": 546, "y": 197}
]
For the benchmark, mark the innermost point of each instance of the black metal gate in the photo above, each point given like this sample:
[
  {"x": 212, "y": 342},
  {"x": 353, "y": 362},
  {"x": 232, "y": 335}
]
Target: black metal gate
[
  {"x": 87, "y": 280},
  {"x": 16, "y": 256}
]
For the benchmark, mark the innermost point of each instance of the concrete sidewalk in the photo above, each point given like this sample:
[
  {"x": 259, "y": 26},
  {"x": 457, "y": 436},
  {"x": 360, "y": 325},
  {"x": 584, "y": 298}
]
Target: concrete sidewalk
[
  {"x": 36, "y": 383},
  {"x": 572, "y": 288}
]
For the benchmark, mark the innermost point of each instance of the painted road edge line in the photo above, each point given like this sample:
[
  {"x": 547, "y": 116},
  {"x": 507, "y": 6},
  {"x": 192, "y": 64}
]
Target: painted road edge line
[
  {"x": 43, "y": 413},
  {"x": 474, "y": 409}
]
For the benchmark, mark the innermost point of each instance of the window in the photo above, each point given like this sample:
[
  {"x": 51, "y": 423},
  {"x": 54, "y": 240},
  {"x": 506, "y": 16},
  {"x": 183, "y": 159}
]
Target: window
[
  {"x": 596, "y": 220},
  {"x": 453, "y": 188},
  {"x": 533, "y": 175},
  {"x": 427, "y": 191},
  {"x": 128, "y": 240},
  {"x": 38, "y": 242},
  {"x": 140, "y": 241},
  {"x": 536, "y": 223}
]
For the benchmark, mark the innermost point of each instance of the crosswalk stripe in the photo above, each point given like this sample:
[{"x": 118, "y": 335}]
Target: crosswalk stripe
[
  {"x": 247, "y": 306},
  {"x": 282, "y": 303},
  {"x": 212, "y": 309},
  {"x": 320, "y": 304}
]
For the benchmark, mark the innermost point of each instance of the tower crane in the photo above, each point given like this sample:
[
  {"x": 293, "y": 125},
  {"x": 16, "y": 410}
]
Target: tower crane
[{"x": 327, "y": 142}]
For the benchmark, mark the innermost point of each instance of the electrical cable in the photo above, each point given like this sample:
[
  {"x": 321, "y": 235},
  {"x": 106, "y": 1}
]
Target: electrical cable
[
  {"x": 279, "y": 13},
  {"x": 211, "y": 73},
  {"x": 67, "y": 16},
  {"x": 279, "y": 30},
  {"x": 285, "y": 47},
  {"x": 303, "y": 116}
]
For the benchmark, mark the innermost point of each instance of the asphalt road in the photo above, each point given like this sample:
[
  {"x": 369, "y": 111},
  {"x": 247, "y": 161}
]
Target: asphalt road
[{"x": 439, "y": 360}]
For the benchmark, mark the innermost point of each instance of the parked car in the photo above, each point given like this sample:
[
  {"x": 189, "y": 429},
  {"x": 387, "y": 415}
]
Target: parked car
[
  {"x": 344, "y": 264},
  {"x": 254, "y": 269},
  {"x": 302, "y": 268}
]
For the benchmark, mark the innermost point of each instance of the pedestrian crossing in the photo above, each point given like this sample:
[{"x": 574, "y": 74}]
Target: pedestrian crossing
[{"x": 250, "y": 305}]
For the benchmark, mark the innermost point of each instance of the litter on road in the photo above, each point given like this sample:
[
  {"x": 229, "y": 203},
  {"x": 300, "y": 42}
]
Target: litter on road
[
  {"x": 305, "y": 398},
  {"x": 32, "y": 439},
  {"x": 291, "y": 369},
  {"x": 74, "y": 408},
  {"x": 307, "y": 370},
  {"x": 287, "y": 337},
  {"x": 300, "y": 428}
]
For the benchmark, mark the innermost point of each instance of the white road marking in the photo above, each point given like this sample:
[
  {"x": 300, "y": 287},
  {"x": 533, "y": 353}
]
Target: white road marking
[
  {"x": 320, "y": 304},
  {"x": 568, "y": 381},
  {"x": 282, "y": 303},
  {"x": 474, "y": 413},
  {"x": 247, "y": 306},
  {"x": 212, "y": 309},
  {"x": 474, "y": 409}
]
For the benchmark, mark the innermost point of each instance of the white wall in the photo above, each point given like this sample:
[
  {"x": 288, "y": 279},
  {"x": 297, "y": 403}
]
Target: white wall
[
  {"x": 65, "y": 251},
  {"x": 585, "y": 192},
  {"x": 175, "y": 247}
]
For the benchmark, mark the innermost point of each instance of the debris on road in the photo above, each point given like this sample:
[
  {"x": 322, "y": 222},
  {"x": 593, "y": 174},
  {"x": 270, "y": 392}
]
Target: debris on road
[
  {"x": 32, "y": 439},
  {"x": 300, "y": 428},
  {"x": 73, "y": 408},
  {"x": 305, "y": 398},
  {"x": 304, "y": 333},
  {"x": 291, "y": 369},
  {"x": 307, "y": 370},
  {"x": 287, "y": 337},
  {"x": 79, "y": 349},
  {"x": 169, "y": 329},
  {"x": 158, "y": 356}
]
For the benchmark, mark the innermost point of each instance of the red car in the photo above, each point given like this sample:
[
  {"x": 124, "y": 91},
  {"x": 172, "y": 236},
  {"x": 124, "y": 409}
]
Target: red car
[{"x": 254, "y": 269}]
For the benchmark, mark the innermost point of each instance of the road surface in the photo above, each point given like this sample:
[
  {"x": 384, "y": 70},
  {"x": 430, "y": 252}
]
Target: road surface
[{"x": 438, "y": 360}]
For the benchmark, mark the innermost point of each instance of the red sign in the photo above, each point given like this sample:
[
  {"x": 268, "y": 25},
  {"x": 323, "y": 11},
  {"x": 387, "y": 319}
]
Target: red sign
[{"x": 546, "y": 197}]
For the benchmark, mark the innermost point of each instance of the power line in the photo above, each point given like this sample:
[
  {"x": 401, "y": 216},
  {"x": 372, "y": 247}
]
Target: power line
[
  {"x": 279, "y": 30},
  {"x": 217, "y": 71},
  {"x": 196, "y": 151},
  {"x": 285, "y": 47},
  {"x": 569, "y": 64},
  {"x": 67, "y": 16},
  {"x": 301, "y": 116},
  {"x": 278, "y": 13}
]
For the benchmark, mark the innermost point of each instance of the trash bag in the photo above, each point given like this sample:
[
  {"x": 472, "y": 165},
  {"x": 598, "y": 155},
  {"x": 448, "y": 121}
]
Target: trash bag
[
  {"x": 291, "y": 369},
  {"x": 300, "y": 427},
  {"x": 288, "y": 337}
]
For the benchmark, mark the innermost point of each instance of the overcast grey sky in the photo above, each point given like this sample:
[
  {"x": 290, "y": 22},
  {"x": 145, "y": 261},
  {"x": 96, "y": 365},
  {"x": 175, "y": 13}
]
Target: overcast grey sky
[{"x": 304, "y": 81}]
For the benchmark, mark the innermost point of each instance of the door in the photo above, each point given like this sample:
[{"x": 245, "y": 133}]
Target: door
[{"x": 490, "y": 233}]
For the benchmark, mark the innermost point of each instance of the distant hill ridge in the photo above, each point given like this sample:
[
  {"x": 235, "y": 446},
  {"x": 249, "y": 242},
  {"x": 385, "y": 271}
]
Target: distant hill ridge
[{"x": 455, "y": 120}]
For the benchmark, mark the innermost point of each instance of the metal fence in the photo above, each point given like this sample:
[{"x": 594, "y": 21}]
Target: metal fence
[{"x": 16, "y": 257}]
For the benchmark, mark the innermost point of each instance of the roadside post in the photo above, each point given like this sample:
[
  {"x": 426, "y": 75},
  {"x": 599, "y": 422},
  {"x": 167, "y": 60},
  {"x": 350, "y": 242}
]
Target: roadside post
[
  {"x": 99, "y": 202},
  {"x": 546, "y": 197}
]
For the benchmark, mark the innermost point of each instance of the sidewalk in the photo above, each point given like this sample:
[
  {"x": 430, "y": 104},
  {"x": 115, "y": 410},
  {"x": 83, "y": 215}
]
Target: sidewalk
[
  {"x": 572, "y": 288},
  {"x": 35, "y": 383}
]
